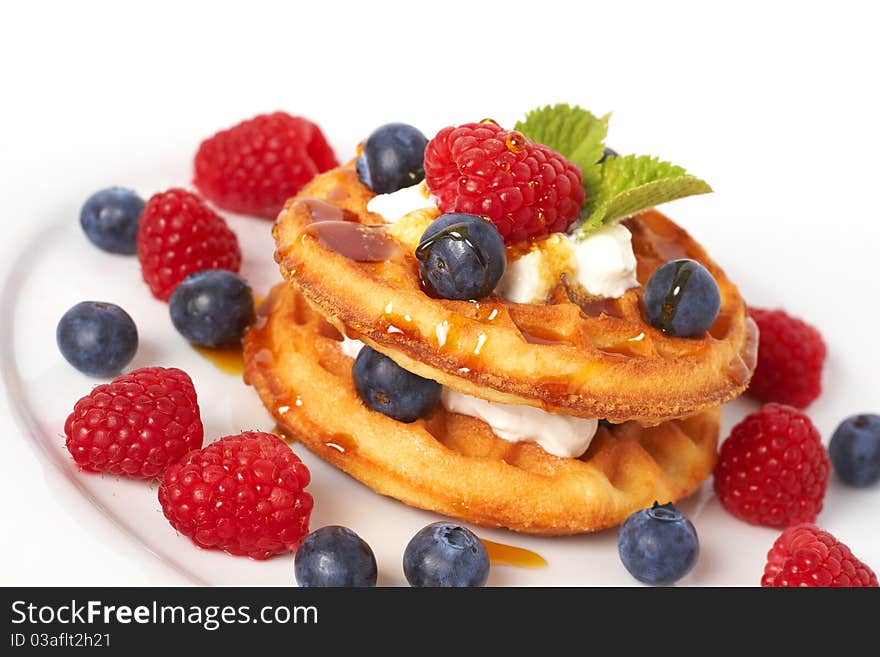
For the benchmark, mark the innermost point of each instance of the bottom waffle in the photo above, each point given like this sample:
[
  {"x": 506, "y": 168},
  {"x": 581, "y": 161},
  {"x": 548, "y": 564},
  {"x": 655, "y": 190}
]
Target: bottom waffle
[{"x": 455, "y": 464}]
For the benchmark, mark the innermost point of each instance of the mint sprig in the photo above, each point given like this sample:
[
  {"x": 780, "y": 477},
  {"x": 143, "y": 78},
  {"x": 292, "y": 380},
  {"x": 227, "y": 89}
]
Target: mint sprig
[
  {"x": 632, "y": 183},
  {"x": 571, "y": 131},
  {"x": 619, "y": 187}
]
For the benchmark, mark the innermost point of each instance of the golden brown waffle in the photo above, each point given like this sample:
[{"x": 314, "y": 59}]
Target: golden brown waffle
[
  {"x": 578, "y": 356},
  {"x": 454, "y": 464}
]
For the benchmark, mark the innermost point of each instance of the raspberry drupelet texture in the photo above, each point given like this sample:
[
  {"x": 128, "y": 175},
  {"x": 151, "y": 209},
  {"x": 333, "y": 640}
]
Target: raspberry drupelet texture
[
  {"x": 526, "y": 189},
  {"x": 243, "y": 494},
  {"x": 791, "y": 354},
  {"x": 255, "y": 166},
  {"x": 137, "y": 425},
  {"x": 806, "y": 556},
  {"x": 178, "y": 235},
  {"x": 773, "y": 470}
]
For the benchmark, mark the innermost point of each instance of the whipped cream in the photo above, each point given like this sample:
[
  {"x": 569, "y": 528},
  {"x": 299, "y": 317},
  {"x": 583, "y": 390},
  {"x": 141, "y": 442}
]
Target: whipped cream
[
  {"x": 603, "y": 264},
  {"x": 560, "y": 435},
  {"x": 351, "y": 348},
  {"x": 394, "y": 206},
  {"x": 531, "y": 276}
]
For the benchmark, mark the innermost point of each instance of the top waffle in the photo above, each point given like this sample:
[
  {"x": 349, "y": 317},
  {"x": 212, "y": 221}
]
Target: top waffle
[{"x": 572, "y": 355}]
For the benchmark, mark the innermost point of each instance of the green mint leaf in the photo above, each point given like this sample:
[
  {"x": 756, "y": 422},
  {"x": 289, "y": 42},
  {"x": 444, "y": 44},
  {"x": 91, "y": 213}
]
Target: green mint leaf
[
  {"x": 571, "y": 131},
  {"x": 632, "y": 183},
  {"x": 617, "y": 188}
]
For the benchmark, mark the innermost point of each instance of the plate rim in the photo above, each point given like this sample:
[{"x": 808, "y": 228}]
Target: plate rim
[{"x": 23, "y": 415}]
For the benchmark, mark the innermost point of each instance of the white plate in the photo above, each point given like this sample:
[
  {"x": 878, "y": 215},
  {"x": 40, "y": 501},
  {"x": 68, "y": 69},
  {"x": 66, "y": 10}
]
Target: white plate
[{"x": 44, "y": 388}]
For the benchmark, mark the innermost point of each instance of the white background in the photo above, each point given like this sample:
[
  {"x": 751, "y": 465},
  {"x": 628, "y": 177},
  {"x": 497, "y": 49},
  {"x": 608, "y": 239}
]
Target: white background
[{"x": 775, "y": 104}]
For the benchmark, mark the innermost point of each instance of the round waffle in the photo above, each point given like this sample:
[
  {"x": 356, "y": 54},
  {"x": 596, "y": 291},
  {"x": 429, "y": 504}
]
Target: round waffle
[
  {"x": 588, "y": 357},
  {"x": 454, "y": 464}
]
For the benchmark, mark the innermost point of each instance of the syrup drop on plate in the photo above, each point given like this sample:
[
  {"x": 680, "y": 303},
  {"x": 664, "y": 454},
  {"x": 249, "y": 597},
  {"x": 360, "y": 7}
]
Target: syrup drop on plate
[
  {"x": 509, "y": 555},
  {"x": 226, "y": 359},
  {"x": 230, "y": 359}
]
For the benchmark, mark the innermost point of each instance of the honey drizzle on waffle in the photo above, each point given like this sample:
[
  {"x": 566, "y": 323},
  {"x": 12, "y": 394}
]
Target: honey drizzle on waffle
[{"x": 340, "y": 230}]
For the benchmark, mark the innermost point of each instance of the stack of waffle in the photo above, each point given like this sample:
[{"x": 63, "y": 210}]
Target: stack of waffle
[{"x": 349, "y": 276}]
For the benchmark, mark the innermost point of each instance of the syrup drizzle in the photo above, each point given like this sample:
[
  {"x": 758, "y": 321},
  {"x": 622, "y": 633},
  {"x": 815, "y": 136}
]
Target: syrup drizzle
[
  {"x": 458, "y": 232},
  {"x": 340, "y": 230},
  {"x": 226, "y": 359},
  {"x": 342, "y": 443},
  {"x": 322, "y": 211},
  {"x": 281, "y": 432},
  {"x": 635, "y": 346},
  {"x": 601, "y": 307},
  {"x": 663, "y": 241},
  {"x": 355, "y": 241},
  {"x": 510, "y": 555},
  {"x": 532, "y": 338},
  {"x": 485, "y": 312},
  {"x": 229, "y": 358},
  {"x": 338, "y": 193},
  {"x": 515, "y": 142},
  {"x": 680, "y": 278}
]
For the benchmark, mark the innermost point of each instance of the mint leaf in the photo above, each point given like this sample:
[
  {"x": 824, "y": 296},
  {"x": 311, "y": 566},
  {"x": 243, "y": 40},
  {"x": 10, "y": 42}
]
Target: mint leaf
[
  {"x": 617, "y": 188},
  {"x": 633, "y": 183},
  {"x": 571, "y": 131}
]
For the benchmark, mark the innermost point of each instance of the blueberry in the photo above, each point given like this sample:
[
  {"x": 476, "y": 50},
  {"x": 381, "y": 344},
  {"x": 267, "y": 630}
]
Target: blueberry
[
  {"x": 385, "y": 386},
  {"x": 461, "y": 256},
  {"x": 212, "y": 307},
  {"x": 393, "y": 158},
  {"x": 607, "y": 154},
  {"x": 444, "y": 554},
  {"x": 334, "y": 556},
  {"x": 855, "y": 450},
  {"x": 658, "y": 545},
  {"x": 682, "y": 299},
  {"x": 97, "y": 338},
  {"x": 110, "y": 219}
]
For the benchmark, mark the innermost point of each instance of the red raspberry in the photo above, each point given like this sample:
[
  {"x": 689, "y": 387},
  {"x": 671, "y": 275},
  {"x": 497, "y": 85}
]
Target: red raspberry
[
  {"x": 255, "y": 166},
  {"x": 242, "y": 494},
  {"x": 179, "y": 235},
  {"x": 804, "y": 555},
  {"x": 526, "y": 189},
  {"x": 790, "y": 358},
  {"x": 773, "y": 469},
  {"x": 136, "y": 425}
]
